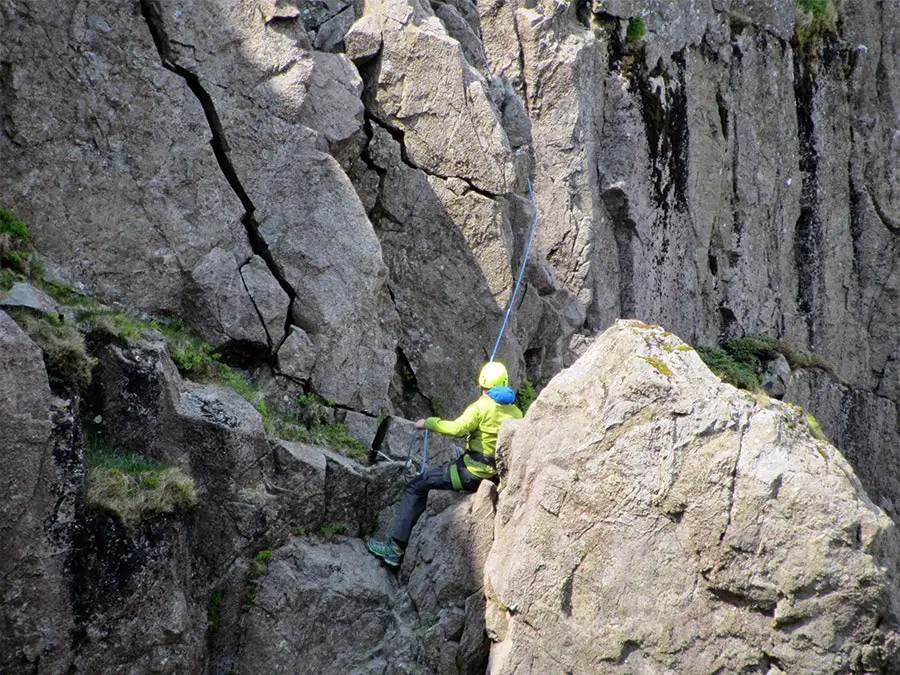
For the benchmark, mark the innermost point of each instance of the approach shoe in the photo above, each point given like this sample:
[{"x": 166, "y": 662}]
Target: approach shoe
[{"x": 386, "y": 550}]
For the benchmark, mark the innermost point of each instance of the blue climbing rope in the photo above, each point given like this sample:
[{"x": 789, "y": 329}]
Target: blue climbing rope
[
  {"x": 412, "y": 444},
  {"x": 512, "y": 300}
]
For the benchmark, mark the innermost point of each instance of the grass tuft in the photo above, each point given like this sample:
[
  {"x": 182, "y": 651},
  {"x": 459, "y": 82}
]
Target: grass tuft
[
  {"x": 133, "y": 488},
  {"x": 726, "y": 367},
  {"x": 259, "y": 567},
  {"x": 69, "y": 366},
  {"x": 332, "y": 530},
  {"x": 739, "y": 361},
  {"x": 815, "y": 20}
]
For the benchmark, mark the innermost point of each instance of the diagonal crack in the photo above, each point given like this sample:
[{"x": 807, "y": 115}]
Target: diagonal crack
[
  {"x": 400, "y": 136},
  {"x": 262, "y": 320},
  {"x": 153, "y": 16}
]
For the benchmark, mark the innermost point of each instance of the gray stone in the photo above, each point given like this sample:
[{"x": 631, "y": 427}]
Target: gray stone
[
  {"x": 29, "y": 297},
  {"x": 219, "y": 305},
  {"x": 361, "y": 427},
  {"x": 455, "y": 246},
  {"x": 775, "y": 377},
  {"x": 300, "y": 476},
  {"x": 363, "y": 40},
  {"x": 318, "y": 595},
  {"x": 268, "y": 297},
  {"x": 297, "y": 355},
  {"x": 417, "y": 55},
  {"x": 637, "y": 474}
]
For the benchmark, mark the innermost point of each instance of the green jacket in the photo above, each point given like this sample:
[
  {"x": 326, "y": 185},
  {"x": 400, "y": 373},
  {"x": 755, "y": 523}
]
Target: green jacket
[{"x": 481, "y": 421}]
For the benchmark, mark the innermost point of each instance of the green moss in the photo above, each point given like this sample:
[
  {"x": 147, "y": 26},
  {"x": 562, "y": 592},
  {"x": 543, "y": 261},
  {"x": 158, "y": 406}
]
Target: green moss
[
  {"x": 684, "y": 348},
  {"x": 336, "y": 436},
  {"x": 313, "y": 399},
  {"x": 132, "y": 487},
  {"x": 437, "y": 406},
  {"x": 8, "y": 279},
  {"x": 12, "y": 226},
  {"x": 636, "y": 29},
  {"x": 65, "y": 294},
  {"x": 740, "y": 361},
  {"x": 659, "y": 365},
  {"x": 15, "y": 244},
  {"x": 526, "y": 395},
  {"x": 814, "y": 429}
]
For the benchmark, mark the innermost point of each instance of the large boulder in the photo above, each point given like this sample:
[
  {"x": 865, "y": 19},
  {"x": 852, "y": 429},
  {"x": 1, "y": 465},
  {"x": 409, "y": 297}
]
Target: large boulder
[{"x": 654, "y": 519}]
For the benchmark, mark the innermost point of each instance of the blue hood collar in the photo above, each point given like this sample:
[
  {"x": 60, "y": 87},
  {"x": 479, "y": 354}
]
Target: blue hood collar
[{"x": 502, "y": 395}]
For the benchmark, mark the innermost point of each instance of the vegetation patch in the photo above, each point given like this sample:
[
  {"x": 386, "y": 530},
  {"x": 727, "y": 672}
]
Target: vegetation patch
[
  {"x": 197, "y": 360},
  {"x": 133, "y": 488},
  {"x": 740, "y": 361},
  {"x": 636, "y": 29},
  {"x": 15, "y": 243},
  {"x": 437, "y": 406},
  {"x": 214, "y": 613},
  {"x": 526, "y": 395},
  {"x": 332, "y": 530},
  {"x": 259, "y": 567},
  {"x": 815, "y": 430},
  {"x": 815, "y": 19},
  {"x": 68, "y": 363}
]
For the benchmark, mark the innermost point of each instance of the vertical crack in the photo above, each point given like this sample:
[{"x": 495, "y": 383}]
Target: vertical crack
[
  {"x": 734, "y": 470},
  {"x": 808, "y": 236},
  {"x": 152, "y": 14}
]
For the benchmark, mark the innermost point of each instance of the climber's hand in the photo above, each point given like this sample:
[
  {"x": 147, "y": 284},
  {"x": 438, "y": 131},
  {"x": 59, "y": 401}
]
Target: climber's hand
[{"x": 420, "y": 424}]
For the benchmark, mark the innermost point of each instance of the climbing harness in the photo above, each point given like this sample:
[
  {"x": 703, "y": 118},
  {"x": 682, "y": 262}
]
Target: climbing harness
[{"x": 454, "y": 471}]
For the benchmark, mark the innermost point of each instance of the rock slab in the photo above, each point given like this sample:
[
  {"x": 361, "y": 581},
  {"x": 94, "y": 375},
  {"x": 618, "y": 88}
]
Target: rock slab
[{"x": 654, "y": 519}]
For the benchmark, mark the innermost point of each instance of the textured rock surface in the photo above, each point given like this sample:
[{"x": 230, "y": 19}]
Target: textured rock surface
[
  {"x": 443, "y": 573},
  {"x": 654, "y": 519},
  {"x": 316, "y": 596},
  {"x": 361, "y": 215},
  {"x": 36, "y": 501},
  {"x": 330, "y": 606}
]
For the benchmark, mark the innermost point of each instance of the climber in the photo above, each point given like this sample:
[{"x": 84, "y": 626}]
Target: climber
[{"x": 481, "y": 421}]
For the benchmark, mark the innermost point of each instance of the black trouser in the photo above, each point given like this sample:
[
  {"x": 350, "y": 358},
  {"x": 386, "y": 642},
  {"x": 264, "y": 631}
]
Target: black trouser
[{"x": 415, "y": 496}]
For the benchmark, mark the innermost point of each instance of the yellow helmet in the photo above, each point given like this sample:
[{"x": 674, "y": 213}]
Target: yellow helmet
[{"x": 493, "y": 374}]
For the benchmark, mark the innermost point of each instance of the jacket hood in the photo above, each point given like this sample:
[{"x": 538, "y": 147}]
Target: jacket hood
[{"x": 502, "y": 395}]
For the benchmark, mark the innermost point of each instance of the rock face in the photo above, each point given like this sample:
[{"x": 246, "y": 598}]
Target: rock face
[
  {"x": 336, "y": 191},
  {"x": 330, "y": 606},
  {"x": 38, "y": 488},
  {"x": 656, "y": 520},
  {"x": 709, "y": 166}
]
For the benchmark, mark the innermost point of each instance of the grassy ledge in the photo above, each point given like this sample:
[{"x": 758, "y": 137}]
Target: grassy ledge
[{"x": 134, "y": 488}]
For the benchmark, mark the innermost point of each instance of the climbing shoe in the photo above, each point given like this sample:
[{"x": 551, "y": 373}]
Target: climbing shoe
[{"x": 386, "y": 550}]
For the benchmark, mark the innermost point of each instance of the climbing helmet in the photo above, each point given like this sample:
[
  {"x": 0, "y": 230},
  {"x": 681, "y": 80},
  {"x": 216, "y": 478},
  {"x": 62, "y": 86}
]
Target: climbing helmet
[{"x": 493, "y": 374}]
